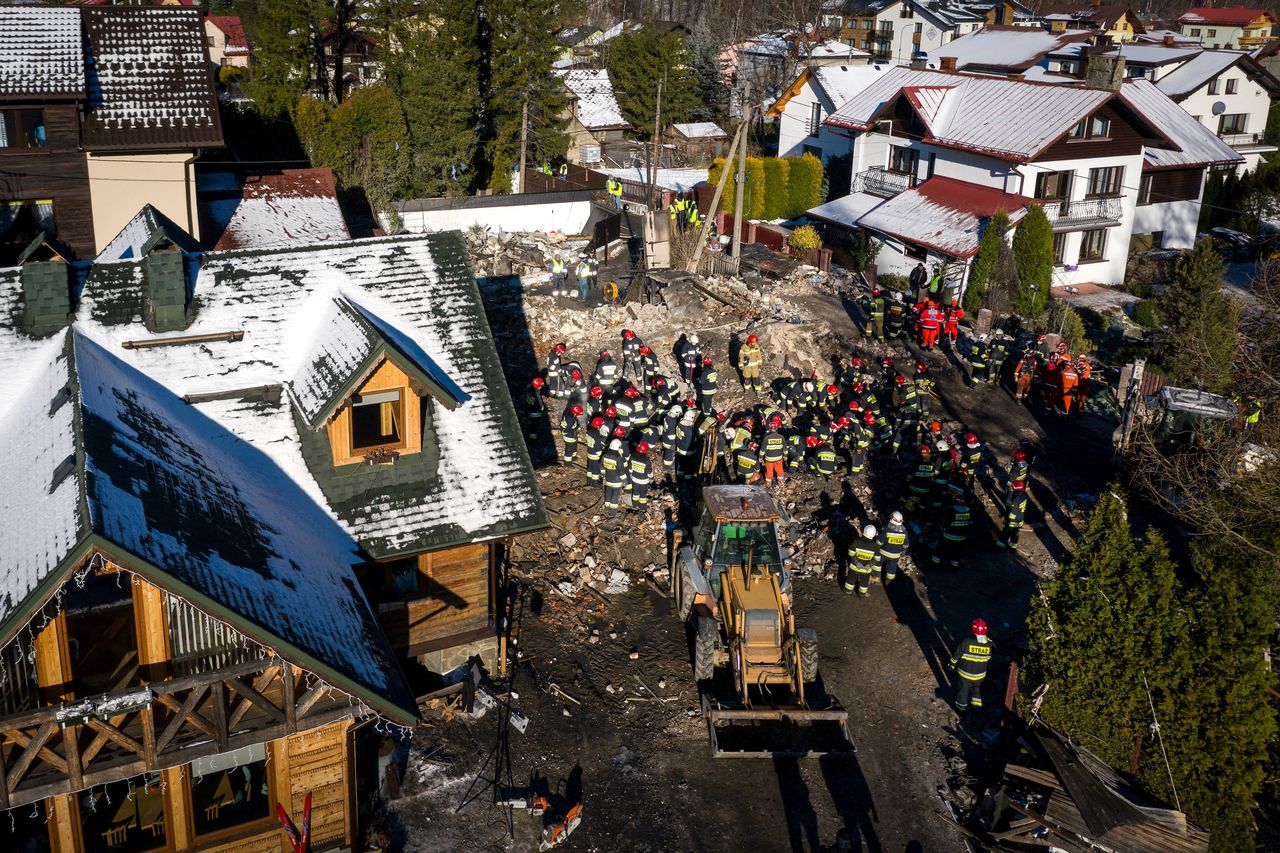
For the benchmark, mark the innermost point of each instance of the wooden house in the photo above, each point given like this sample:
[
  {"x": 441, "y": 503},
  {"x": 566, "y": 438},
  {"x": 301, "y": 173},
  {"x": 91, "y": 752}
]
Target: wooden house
[
  {"x": 82, "y": 152},
  {"x": 247, "y": 490},
  {"x": 697, "y": 141}
]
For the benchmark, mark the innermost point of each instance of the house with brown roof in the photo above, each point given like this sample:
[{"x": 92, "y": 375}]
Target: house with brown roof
[
  {"x": 103, "y": 110},
  {"x": 1117, "y": 21},
  {"x": 227, "y": 43},
  {"x": 1228, "y": 26}
]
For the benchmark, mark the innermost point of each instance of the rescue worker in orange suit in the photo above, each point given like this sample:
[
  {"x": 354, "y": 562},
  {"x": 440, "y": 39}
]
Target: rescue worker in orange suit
[
  {"x": 930, "y": 325},
  {"x": 1068, "y": 380},
  {"x": 1024, "y": 373},
  {"x": 951, "y": 325},
  {"x": 970, "y": 661},
  {"x": 1085, "y": 371}
]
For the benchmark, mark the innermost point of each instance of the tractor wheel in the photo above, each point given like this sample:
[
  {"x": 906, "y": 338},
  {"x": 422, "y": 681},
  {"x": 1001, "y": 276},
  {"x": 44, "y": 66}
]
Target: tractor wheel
[
  {"x": 808, "y": 638},
  {"x": 704, "y": 648},
  {"x": 684, "y": 600}
]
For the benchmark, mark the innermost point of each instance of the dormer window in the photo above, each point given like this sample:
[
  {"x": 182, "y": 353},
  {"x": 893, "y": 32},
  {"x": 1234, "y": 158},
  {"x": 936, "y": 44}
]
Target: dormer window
[
  {"x": 377, "y": 421},
  {"x": 1094, "y": 127}
]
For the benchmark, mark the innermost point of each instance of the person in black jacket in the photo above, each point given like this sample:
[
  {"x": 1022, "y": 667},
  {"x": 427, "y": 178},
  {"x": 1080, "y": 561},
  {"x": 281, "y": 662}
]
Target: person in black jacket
[{"x": 970, "y": 661}]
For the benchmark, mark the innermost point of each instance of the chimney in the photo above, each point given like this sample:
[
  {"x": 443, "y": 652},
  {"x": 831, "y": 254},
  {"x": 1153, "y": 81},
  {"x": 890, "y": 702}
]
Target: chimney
[
  {"x": 947, "y": 63},
  {"x": 1102, "y": 71},
  {"x": 919, "y": 60},
  {"x": 1167, "y": 41}
]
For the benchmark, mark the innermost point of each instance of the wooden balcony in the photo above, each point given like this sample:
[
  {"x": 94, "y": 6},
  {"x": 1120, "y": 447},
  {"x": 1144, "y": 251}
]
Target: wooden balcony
[{"x": 68, "y": 747}]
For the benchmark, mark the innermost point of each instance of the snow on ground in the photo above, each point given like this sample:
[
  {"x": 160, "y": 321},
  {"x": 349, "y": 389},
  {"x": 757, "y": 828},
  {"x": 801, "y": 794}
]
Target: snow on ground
[{"x": 680, "y": 180}]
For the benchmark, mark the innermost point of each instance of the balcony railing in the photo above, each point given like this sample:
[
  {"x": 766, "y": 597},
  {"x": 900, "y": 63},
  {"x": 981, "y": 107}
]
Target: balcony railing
[
  {"x": 880, "y": 181},
  {"x": 1090, "y": 211},
  {"x": 1242, "y": 140}
]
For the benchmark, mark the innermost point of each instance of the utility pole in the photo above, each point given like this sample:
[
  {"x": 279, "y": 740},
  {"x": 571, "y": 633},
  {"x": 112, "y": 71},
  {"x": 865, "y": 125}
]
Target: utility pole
[
  {"x": 741, "y": 182},
  {"x": 524, "y": 144},
  {"x": 653, "y": 147}
]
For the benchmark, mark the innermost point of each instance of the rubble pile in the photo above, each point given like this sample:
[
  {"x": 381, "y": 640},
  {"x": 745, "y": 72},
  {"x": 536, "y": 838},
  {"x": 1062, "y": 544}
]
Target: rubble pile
[{"x": 524, "y": 255}]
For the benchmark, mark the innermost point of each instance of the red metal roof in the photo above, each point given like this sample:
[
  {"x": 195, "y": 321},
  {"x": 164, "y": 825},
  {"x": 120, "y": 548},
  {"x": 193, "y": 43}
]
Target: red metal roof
[
  {"x": 944, "y": 214},
  {"x": 233, "y": 29},
  {"x": 1229, "y": 16}
]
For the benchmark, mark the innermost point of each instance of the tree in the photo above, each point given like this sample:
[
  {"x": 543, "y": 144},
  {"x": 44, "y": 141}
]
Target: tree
[
  {"x": 637, "y": 60},
  {"x": 290, "y": 38},
  {"x": 805, "y": 184},
  {"x": 754, "y": 189},
  {"x": 730, "y": 185},
  {"x": 708, "y": 78},
  {"x": 984, "y": 263},
  {"x": 434, "y": 72},
  {"x": 776, "y": 197},
  {"x": 1062, "y": 319},
  {"x": 1033, "y": 258},
  {"x": 1198, "y": 344}
]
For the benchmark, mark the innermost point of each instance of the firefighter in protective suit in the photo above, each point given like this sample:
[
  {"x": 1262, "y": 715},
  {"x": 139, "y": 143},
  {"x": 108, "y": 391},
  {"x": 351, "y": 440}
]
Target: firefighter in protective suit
[
  {"x": 970, "y": 661},
  {"x": 864, "y": 559},
  {"x": 893, "y": 544}
]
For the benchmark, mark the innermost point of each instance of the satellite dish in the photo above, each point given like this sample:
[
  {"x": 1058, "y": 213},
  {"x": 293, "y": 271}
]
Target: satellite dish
[{"x": 1218, "y": 108}]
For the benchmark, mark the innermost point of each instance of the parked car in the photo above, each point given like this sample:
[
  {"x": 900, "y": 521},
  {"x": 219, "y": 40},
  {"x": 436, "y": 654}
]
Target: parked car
[{"x": 1234, "y": 246}]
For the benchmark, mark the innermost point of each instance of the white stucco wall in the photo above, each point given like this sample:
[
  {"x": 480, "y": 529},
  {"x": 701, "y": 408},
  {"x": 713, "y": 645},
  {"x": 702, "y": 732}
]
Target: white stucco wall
[
  {"x": 1177, "y": 219},
  {"x": 793, "y": 126},
  {"x": 568, "y": 217},
  {"x": 1250, "y": 99}
]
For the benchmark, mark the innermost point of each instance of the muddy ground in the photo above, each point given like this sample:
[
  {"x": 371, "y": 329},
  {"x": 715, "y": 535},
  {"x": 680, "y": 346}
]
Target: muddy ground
[{"x": 605, "y": 679}]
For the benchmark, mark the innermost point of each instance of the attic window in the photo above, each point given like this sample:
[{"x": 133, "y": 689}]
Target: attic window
[
  {"x": 377, "y": 421},
  {"x": 1094, "y": 127}
]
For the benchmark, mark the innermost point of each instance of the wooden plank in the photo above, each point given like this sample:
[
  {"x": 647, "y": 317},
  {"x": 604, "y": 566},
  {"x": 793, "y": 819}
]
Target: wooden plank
[
  {"x": 287, "y": 684},
  {"x": 251, "y": 694},
  {"x": 218, "y": 711},
  {"x": 116, "y": 736},
  {"x": 151, "y": 614},
  {"x": 310, "y": 698},
  {"x": 53, "y": 660},
  {"x": 182, "y": 714},
  {"x": 179, "y": 822},
  {"x": 75, "y": 764},
  {"x": 64, "y": 818},
  {"x": 33, "y": 746},
  {"x": 149, "y": 735},
  {"x": 4, "y": 781}
]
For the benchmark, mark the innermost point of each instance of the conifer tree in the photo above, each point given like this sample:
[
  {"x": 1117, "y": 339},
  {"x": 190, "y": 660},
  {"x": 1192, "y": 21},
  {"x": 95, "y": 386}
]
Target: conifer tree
[
  {"x": 776, "y": 198},
  {"x": 1198, "y": 344},
  {"x": 637, "y": 60},
  {"x": 805, "y": 184},
  {"x": 712, "y": 94},
  {"x": 984, "y": 263},
  {"x": 1033, "y": 256}
]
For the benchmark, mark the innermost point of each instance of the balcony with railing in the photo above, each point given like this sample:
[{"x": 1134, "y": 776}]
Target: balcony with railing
[
  {"x": 1246, "y": 141},
  {"x": 880, "y": 181},
  {"x": 1090, "y": 211}
]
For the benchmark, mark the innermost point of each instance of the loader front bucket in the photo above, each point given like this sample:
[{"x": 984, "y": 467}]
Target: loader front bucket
[{"x": 777, "y": 732}]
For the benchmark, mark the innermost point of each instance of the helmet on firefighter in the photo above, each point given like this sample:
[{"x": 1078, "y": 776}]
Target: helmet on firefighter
[
  {"x": 855, "y": 362},
  {"x": 854, "y": 405},
  {"x": 921, "y": 367},
  {"x": 616, "y": 444},
  {"x": 843, "y": 422},
  {"x": 706, "y": 362},
  {"x": 576, "y": 410},
  {"x": 632, "y": 392},
  {"x": 752, "y": 339},
  {"x": 1019, "y": 456},
  {"x": 689, "y": 403},
  {"x": 719, "y": 417},
  {"x": 658, "y": 382},
  {"x": 1062, "y": 346},
  {"x": 1050, "y": 365},
  {"x": 808, "y": 386},
  {"x": 560, "y": 348},
  {"x": 887, "y": 362},
  {"x": 832, "y": 390},
  {"x": 576, "y": 374},
  {"x": 627, "y": 334},
  {"x": 935, "y": 427},
  {"x": 811, "y": 441},
  {"x": 642, "y": 447},
  {"x": 869, "y": 531},
  {"x": 895, "y": 517},
  {"x": 611, "y": 412},
  {"x": 875, "y": 291},
  {"x": 925, "y": 451},
  {"x": 869, "y": 418},
  {"x": 619, "y": 432},
  {"x": 899, "y": 380},
  {"x": 596, "y": 392},
  {"x": 858, "y": 387},
  {"x": 979, "y": 628},
  {"x": 970, "y": 440},
  {"x": 675, "y": 411},
  {"x": 604, "y": 353},
  {"x": 693, "y": 339},
  {"x": 537, "y": 383},
  {"x": 942, "y": 446},
  {"x": 1019, "y": 485},
  {"x": 644, "y": 350},
  {"x": 596, "y": 422}
]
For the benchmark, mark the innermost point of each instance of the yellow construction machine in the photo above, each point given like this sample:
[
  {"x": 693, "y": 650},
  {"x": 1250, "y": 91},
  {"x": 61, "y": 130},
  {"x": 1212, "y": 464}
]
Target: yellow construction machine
[{"x": 757, "y": 671}]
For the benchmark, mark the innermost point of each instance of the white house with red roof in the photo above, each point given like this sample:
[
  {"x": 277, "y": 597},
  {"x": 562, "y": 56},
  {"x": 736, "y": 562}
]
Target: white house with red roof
[
  {"x": 1228, "y": 26},
  {"x": 228, "y": 45},
  {"x": 936, "y": 153}
]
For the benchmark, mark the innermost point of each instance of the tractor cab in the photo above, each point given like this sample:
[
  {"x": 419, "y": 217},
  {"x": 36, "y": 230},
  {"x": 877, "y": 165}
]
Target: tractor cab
[
  {"x": 1182, "y": 417},
  {"x": 739, "y": 527}
]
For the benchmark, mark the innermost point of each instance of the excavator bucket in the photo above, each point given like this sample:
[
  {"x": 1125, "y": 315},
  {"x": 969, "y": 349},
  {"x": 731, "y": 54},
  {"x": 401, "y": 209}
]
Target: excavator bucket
[{"x": 778, "y": 732}]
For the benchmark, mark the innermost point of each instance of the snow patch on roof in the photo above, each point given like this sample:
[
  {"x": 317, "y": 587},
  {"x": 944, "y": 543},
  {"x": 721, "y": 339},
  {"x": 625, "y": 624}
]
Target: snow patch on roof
[
  {"x": 842, "y": 82},
  {"x": 40, "y": 51},
  {"x": 1013, "y": 47},
  {"x": 1196, "y": 72},
  {"x": 1196, "y": 145},
  {"x": 944, "y": 214},
  {"x": 295, "y": 207},
  {"x": 699, "y": 130},
  {"x": 677, "y": 180},
  {"x": 597, "y": 108},
  {"x": 1232, "y": 16},
  {"x": 846, "y": 210}
]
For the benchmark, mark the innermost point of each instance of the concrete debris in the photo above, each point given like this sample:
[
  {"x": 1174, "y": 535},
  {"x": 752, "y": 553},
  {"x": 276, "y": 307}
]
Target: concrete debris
[{"x": 619, "y": 582}]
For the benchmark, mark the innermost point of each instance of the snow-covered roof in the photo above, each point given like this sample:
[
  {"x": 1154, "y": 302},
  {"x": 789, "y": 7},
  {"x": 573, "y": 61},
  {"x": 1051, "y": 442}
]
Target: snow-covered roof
[
  {"x": 149, "y": 80},
  {"x": 40, "y": 51},
  {"x": 130, "y": 243},
  {"x": 699, "y": 130},
  {"x": 293, "y": 207},
  {"x": 835, "y": 49},
  {"x": 595, "y": 104},
  {"x": 1156, "y": 54},
  {"x": 1158, "y": 37},
  {"x": 478, "y": 483},
  {"x": 1196, "y": 72},
  {"x": 1190, "y": 142},
  {"x": 944, "y": 214},
  {"x": 678, "y": 180},
  {"x": 1009, "y": 48},
  {"x": 1223, "y": 16},
  {"x": 846, "y": 210},
  {"x": 841, "y": 82},
  {"x": 97, "y": 448},
  {"x": 972, "y": 112}
]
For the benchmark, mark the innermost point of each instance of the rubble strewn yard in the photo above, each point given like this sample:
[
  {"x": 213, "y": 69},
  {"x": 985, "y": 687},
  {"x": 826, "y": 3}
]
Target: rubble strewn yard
[{"x": 601, "y": 664}]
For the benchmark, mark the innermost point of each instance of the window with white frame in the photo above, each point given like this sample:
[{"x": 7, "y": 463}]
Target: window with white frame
[
  {"x": 1232, "y": 123},
  {"x": 1213, "y": 86}
]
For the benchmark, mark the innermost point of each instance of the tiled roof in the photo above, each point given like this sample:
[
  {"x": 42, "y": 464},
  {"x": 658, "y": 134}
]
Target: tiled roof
[
  {"x": 943, "y": 214},
  {"x": 149, "y": 81},
  {"x": 597, "y": 108},
  {"x": 1225, "y": 16},
  {"x": 137, "y": 232},
  {"x": 1195, "y": 72},
  {"x": 292, "y": 207},
  {"x": 1190, "y": 143},
  {"x": 237, "y": 43},
  {"x": 40, "y": 51},
  {"x": 971, "y": 112},
  {"x": 175, "y": 497}
]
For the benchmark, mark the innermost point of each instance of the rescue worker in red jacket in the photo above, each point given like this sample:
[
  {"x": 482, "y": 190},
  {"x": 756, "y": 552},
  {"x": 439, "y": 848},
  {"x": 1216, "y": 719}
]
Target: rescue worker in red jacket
[
  {"x": 951, "y": 325},
  {"x": 930, "y": 325}
]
